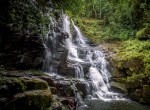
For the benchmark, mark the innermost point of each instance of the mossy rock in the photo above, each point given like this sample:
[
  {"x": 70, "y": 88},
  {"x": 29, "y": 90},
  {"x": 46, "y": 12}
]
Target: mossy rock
[
  {"x": 119, "y": 87},
  {"x": 135, "y": 81},
  {"x": 35, "y": 84},
  {"x": 31, "y": 100},
  {"x": 143, "y": 34},
  {"x": 12, "y": 85},
  {"x": 128, "y": 65}
]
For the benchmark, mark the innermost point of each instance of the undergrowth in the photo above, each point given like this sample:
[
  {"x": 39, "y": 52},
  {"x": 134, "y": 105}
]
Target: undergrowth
[
  {"x": 97, "y": 31},
  {"x": 135, "y": 48}
]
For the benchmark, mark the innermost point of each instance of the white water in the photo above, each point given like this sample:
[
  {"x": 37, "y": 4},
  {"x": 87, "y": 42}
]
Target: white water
[{"x": 98, "y": 74}]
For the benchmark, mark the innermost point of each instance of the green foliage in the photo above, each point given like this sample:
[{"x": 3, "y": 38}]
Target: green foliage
[
  {"x": 143, "y": 34},
  {"x": 25, "y": 15},
  {"x": 135, "y": 48},
  {"x": 71, "y": 7},
  {"x": 91, "y": 28},
  {"x": 122, "y": 18},
  {"x": 97, "y": 32}
]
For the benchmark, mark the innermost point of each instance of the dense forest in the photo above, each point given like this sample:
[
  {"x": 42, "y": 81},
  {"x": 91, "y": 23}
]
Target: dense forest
[
  {"x": 121, "y": 17},
  {"x": 73, "y": 39}
]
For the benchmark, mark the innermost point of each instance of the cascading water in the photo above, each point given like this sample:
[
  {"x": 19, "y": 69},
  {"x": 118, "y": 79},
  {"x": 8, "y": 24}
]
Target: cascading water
[{"x": 98, "y": 75}]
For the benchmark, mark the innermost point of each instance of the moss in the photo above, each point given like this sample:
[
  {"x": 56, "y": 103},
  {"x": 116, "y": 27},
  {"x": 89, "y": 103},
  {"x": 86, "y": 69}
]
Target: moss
[
  {"x": 134, "y": 57},
  {"x": 10, "y": 86},
  {"x": 31, "y": 100},
  {"x": 135, "y": 81},
  {"x": 34, "y": 84}
]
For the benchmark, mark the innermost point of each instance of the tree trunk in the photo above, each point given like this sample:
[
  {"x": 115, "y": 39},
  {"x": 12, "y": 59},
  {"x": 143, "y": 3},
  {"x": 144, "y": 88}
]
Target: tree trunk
[{"x": 94, "y": 11}]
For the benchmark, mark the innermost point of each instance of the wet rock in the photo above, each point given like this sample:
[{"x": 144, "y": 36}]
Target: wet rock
[
  {"x": 82, "y": 53},
  {"x": 57, "y": 105},
  {"x": 34, "y": 83},
  {"x": 49, "y": 80},
  {"x": 69, "y": 101},
  {"x": 86, "y": 67},
  {"x": 67, "y": 69},
  {"x": 119, "y": 87},
  {"x": 54, "y": 90},
  {"x": 83, "y": 88},
  {"x": 65, "y": 89}
]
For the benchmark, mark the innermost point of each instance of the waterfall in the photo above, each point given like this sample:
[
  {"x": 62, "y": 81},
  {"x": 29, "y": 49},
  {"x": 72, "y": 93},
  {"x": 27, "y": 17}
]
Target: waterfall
[
  {"x": 98, "y": 74},
  {"x": 69, "y": 54},
  {"x": 71, "y": 59}
]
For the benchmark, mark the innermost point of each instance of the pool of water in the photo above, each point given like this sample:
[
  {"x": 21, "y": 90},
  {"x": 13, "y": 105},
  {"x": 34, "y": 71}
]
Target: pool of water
[{"x": 113, "y": 105}]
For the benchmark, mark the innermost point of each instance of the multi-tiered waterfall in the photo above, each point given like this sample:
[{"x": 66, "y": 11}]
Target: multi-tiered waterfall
[
  {"x": 97, "y": 76},
  {"x": 69, "y": 55}
]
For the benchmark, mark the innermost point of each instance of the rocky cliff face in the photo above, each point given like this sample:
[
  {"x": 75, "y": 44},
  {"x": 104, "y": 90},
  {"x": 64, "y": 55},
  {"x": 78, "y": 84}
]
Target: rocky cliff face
[
  {"x": 20, "y": 51},
  {"x": 24, "y": 27}
]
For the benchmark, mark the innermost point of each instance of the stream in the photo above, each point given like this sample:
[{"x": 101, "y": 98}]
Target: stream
[{"x": 74, "y": 57}]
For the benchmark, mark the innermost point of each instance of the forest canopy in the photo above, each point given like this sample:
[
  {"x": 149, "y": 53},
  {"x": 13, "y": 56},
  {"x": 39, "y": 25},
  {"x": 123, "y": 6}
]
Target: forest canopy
[{"x": 127, "y": 15}]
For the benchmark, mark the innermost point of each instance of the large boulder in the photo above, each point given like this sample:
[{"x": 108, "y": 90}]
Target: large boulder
[
  {"x": 11, "y": 85},
  {"x": 84, "y": 88},
  {"x": 30, "y": 100},
  {"x": 127, "y": 66},
  {"x": 66, "y": 67}
]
